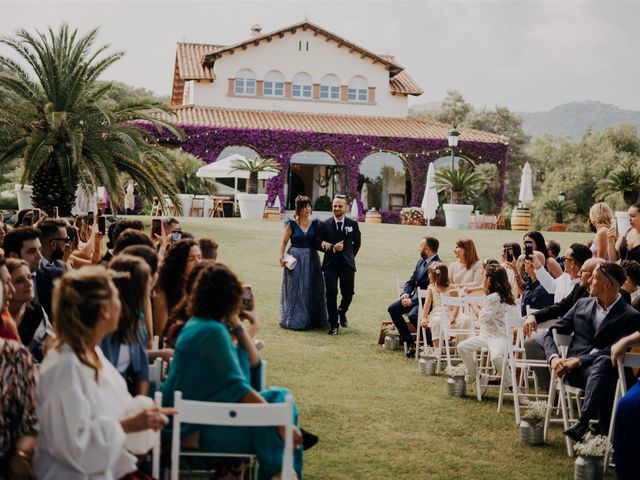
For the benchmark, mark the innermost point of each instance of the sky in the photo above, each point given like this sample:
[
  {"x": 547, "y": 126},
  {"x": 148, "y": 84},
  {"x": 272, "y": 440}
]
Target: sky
[{"x": 526, "y": 55}]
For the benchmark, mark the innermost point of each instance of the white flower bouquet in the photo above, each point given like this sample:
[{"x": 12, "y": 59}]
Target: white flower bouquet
[
  {"x": 456, "y": 370},
  {"x": 536, "y": 410},
  {"x": 593, "y": 446}
]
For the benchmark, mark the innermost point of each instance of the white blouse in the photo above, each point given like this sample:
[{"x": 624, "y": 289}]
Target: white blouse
[
  {"x": 80, "y": 435},
  {"x": 491, "y": 316}
]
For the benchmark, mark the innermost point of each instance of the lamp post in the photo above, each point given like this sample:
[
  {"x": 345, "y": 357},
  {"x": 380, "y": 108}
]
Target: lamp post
[
  {"x": 452, "y": 139},
  {"x": 561, "y": 198}
]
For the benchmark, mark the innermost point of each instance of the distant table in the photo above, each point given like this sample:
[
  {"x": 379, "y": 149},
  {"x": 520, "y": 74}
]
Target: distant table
[{"x": 215, "y": 204}]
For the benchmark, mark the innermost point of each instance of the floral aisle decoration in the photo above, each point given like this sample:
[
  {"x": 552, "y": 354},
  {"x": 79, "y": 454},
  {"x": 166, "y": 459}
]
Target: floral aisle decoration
[
  {"x": 412, "y": 216},
  {"x": 456, "y": 383},
  {"x": 428, "y": 360},
  {"x": 531, "y": 426},
  {"x": 391, "y": 338},
  {"x": 591, "y": 452}
]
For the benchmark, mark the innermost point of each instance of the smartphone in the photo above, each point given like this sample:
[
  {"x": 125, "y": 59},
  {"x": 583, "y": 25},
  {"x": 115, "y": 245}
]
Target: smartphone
[
  {"x": 528, "y": 249},
  {"x": 102, "y": 225},
  {"x": 176, "y": 235},
  {"x": 156, "y": 227},
  {"x": 90, "y": 217},
  {"x": 56, "y": 213},
  {"x": 36, "y": 215},
  {"x": 509, "y": 254},
  {"x": 99, "y": 212},
  {"x": 72, "y": 233},
  {"x": 247, "y": 298}
]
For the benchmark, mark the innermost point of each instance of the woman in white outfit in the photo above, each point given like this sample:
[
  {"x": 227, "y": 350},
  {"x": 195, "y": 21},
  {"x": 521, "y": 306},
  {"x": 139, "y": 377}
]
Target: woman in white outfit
[
  {"x": 493, "y": 333},
  {"x": 88, "y": 419}
]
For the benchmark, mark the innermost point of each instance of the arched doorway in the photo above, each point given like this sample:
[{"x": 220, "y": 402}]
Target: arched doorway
[
  {"x": 388, "y": 181},
  {"x": 311, "y": 173}
]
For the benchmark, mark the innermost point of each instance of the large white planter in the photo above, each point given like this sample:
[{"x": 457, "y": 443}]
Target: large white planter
[
  {"x": 23, "y": 193},
  {"x": 252, "y": 204},
  {"x": 457, "y": 216},
  {"x": 622, "y": 219},
  {"x": 186, "y": 200}
]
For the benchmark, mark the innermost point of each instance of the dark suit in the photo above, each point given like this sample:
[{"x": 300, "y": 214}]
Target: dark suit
[
  {"x": 419, "y": 279},
  {"x": 43, "y": 283},
  {"x": 339, "y": 266},
  {"x": 595, "y": 374}
]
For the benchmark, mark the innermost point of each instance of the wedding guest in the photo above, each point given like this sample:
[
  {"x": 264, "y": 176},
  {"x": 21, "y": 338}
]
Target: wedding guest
[
  {"x": 534, "y": 295},
  {"x": 18, "y": 419},
  {"x": 86, "y": 414},
  {"x": 206, "y": 367},
  {"x": 561, "y": 286},
  {"x": 408, "y": 301},
  {"x": 511, "y": 251},
  {"x": 632, "y": 283},
  {"x": 303, "y": 304},
  {"x": 627, "y": 247},
  {"x": 180, "y": 259},
  {"x": 466, "y": 271},
  {"x": 554, "y": 249},
  {"x": 169, "y": 225},
  {"x": 31, "y": 319},
  {"x": 491, "y": 319},
  {"x": 601, "y": 217},
  {"x": 131, "y": 237},
  {"x": 209, "y": 248},
  {"x": 126, "y": 348},
  {"x": 8, "y": 328},
  {"x": 539, "y": 245},
  {"x": 434, "y": 312}
]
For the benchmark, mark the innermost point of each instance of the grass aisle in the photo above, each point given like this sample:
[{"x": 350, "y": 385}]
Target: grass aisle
[{"x": 376, "y": 417}]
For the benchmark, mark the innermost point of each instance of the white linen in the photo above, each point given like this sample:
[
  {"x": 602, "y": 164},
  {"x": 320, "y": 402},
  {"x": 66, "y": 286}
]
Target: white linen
[
  {"x": 560, "y": 287},
  {"x": 80, "y": 434}
]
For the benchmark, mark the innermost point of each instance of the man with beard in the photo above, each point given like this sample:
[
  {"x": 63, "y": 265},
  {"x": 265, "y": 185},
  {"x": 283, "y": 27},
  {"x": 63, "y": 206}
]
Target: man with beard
[
  {"x": 54, "y": 240},
  {"x": 408, "y": 301}
]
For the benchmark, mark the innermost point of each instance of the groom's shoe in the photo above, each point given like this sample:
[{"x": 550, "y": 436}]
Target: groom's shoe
[
  {"x": 333, "y": 330},
  {"x": 578, "y": 431},
  {"x": 344, "y": 323}
]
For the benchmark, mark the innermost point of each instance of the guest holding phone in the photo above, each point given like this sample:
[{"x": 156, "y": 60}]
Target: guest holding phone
[{"x": 627, "y": 247}]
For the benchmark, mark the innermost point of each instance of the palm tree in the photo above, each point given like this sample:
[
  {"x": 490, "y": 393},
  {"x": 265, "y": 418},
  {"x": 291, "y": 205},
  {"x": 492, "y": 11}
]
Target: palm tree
[
  {"x": 64, "y": 131},
  {"x": 185, "y": 167},
  {"x": 460, "y": 182},
  {"x": 254, "y": 166},
  {"x": 624, "y": 180}
]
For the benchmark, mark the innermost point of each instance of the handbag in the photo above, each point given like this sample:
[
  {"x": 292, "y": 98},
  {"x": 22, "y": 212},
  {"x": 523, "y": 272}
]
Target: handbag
[{"x": 290, "y": 261}]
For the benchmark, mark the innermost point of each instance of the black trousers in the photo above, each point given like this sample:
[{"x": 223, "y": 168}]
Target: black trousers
[
  {"x": 346, "y": 276},
  {"x": 396, "y": 312}
]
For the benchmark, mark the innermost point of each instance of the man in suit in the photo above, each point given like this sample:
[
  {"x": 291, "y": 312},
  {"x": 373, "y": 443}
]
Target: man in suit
[
  {"x": 339, "y": 238},
  {"x": 597, "y": 323},
  {"x": 408, "y": 301}
]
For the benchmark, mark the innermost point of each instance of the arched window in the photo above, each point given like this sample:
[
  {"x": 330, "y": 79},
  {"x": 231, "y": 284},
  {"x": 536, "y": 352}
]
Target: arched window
[
  {"x": 358, "y": 90},
  {"x": 302, "y": 84},
  {"x": 330, "y": 87},
  {"x": 273, "y": 84},
  {"x": 245, "y": 83}
]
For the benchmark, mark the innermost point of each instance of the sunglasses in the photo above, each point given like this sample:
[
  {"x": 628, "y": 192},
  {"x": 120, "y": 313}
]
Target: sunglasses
[{"x": 65, "y": 240}]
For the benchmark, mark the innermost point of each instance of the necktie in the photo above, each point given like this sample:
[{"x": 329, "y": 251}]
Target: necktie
[{"x": 340, "y": 226}]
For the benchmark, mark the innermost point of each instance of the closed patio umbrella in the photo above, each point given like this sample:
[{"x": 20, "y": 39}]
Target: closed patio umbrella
[
  {"x": 354, "y": 210},
  {"x": 364, "y": 197},
  {"x": 430, "y": 199},
  {"x": 526, "y": 190}
]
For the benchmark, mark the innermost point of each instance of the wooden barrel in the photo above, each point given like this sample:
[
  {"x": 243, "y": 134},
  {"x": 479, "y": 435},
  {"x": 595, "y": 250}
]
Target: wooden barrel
[
  {"x": 521, "y": 219},
  {"x": 373, "y": 216}
]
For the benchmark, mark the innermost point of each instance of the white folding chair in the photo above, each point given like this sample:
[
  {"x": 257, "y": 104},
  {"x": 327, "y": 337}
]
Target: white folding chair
[
  {"x": 399, "y": 290},
  {"x": 422, "y": 296},
  {"x": 155, "y": 372},
  {"x": 515, "y": 358},
  {"x": 462, "y": 303},
  {"x": 232, "y": 415},
  {"x": 567, "y": 394},
  {"x": 263, "y": 376},
  {"x": 155, "y": 451}
]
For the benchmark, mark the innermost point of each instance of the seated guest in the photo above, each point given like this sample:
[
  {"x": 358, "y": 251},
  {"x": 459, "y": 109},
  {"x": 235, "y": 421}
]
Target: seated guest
[
  {"x": 206, "y": 368},
  {"x": 534, "y": 295},
  {"x": 31, "y": 319},
  {"x": 549, "y": 263},
  {"x": 632, "y": 283},
  {"x": 209, "y": 248},
  {"x": 126, "y": 348},
  {"x": 408, "y": 301},
  {"x": 435, "y": 313},
  {"x": 493, "y": 335},
  {"x": 24, "y": 243},
  {"x": 553, "y": 249},
  {"x": 596, "y": 324},
  {"x": 18, "y": 420},
  {"x": 85, "y": 411},
  {"x": 627, "y": 422},
  {"x": 466, "y": 271},
  {"x": 561, "y": 286}
]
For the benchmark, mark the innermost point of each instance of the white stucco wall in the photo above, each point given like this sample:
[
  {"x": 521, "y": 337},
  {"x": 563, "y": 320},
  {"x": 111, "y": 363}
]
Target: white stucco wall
[{"x": 283, "y": 55}]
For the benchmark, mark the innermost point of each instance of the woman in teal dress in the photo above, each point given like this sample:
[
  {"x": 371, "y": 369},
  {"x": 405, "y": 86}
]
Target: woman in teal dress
[{"x": 206, "y": 367}]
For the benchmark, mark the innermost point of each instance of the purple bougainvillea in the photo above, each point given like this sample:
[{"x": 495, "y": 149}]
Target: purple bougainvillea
[{"x": 348, "y": 151}]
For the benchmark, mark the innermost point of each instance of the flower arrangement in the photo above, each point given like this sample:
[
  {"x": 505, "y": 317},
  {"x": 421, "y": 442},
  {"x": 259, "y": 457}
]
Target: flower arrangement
[
  {"x": 593, "y": 446},
  {"x": 426, "y": 351},
  {"x": 391, "y": 330},
  {"x": 412, "y": 216},
  {"x": 536, "y": 410},
  {"x": 456, "y": 370}
]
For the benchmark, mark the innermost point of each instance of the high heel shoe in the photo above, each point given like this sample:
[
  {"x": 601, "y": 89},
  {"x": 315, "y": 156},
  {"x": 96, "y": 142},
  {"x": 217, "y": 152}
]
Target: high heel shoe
[{"x": 308, "y": 439}]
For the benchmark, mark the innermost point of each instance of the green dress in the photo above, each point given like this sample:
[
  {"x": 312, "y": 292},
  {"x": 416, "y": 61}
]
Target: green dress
[{"x": 208, "y": 367}]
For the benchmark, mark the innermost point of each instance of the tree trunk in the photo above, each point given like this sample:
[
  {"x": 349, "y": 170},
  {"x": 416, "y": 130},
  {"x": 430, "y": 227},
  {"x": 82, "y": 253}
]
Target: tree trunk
[
  {"x": 49, "y": 190},
  {"x": 457, "y": 197},
  {"x": 252, "y": 185}
]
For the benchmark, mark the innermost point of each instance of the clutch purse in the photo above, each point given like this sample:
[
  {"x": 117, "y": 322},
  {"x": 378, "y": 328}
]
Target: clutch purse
[{"x": 290, "y": 261}]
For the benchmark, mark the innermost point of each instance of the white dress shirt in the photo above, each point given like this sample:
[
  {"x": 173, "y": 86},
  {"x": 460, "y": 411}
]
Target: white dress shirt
[{"x": 560, "y": 287}]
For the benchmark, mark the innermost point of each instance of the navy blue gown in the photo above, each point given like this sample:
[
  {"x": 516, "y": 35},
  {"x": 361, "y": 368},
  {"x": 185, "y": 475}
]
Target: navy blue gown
[{"x": 303, "y": 304}]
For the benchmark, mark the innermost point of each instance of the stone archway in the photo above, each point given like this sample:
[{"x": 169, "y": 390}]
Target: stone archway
[
  {"x": 311, "y": 173},
  {"x": 388, "y": 181}
]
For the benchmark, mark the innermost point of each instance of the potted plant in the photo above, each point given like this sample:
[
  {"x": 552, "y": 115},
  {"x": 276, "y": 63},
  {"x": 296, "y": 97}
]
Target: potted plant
[
  {"x": 531, "y": 426},
  {"x": 428, "y": 359},
  {"x": 591, "y": 452},
  {"x": 252, "y": 203},
  {"x": 185, "y": 167},
  {"x": 456, "y": 383},
  {"x": 559, "y": 209},
  {"x": 391, "y": 338},
  {"x": 624, "y": 180},
  {"x": 461, "y": 183}
]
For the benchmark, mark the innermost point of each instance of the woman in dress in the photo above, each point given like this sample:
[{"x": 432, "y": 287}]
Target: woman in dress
[
  {"x": 206, "y": 367},
  {"x": 627, "y": 247},
  {"x": 85, "y": 411},
  {"x": 466, "y": 271},
  {"x": 303, "y": 303},
  {"x": 601, "y": 217}
]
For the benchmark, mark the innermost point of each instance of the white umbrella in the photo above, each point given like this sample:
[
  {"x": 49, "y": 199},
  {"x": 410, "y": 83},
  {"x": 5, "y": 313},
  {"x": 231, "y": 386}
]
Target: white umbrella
[
  {"x": 430, "y": 198},
  {"x": 364, "y": 196},
  {"x": 526, "y": 190},
  {"x": 276, "y": 203},
  {"x": 354, "y": 210}
]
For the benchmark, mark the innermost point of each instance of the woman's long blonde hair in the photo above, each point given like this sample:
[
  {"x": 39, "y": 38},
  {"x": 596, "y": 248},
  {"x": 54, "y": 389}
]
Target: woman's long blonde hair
[
  {"x": 78, "y": 297},
  {"x": 600, "y": 214}
]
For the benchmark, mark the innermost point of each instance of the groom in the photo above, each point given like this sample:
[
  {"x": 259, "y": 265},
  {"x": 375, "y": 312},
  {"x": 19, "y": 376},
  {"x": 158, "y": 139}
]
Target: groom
[{"x": 339, "y": 238}]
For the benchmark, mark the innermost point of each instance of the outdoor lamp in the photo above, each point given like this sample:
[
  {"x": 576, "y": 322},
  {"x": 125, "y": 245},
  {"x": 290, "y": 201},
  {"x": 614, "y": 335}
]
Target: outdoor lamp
[
  {"x": 562, "y": 197},
  {"x": 453, "y": 137},
  {"x": 559, "y": 216}
]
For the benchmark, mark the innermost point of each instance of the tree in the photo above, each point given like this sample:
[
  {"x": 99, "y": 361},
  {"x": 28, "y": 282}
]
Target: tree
[
  {"x": 254, "y": 166},
  {"x": 185, "y": 167},
  {"x": 65, "y": 132}
]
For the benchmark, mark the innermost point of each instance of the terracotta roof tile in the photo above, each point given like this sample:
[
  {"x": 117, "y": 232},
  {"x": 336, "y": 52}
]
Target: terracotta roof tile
[
  {"x": 408, "y": 127},
  {"x": 190, "y": 57}
]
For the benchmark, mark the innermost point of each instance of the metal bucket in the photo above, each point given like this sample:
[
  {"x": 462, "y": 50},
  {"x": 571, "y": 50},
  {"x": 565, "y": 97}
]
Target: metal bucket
[
  {"x": 588, "y": 468},
  {"x": 427, "y": 366},
  {"x": 392, "y": 342},
  {"x": 456, "y": 386},
  {"x": 532, "y": 432}
]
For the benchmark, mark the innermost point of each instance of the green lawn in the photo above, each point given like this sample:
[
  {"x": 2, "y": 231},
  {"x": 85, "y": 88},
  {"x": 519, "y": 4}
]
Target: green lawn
[{"x": 376, "y": 417}]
